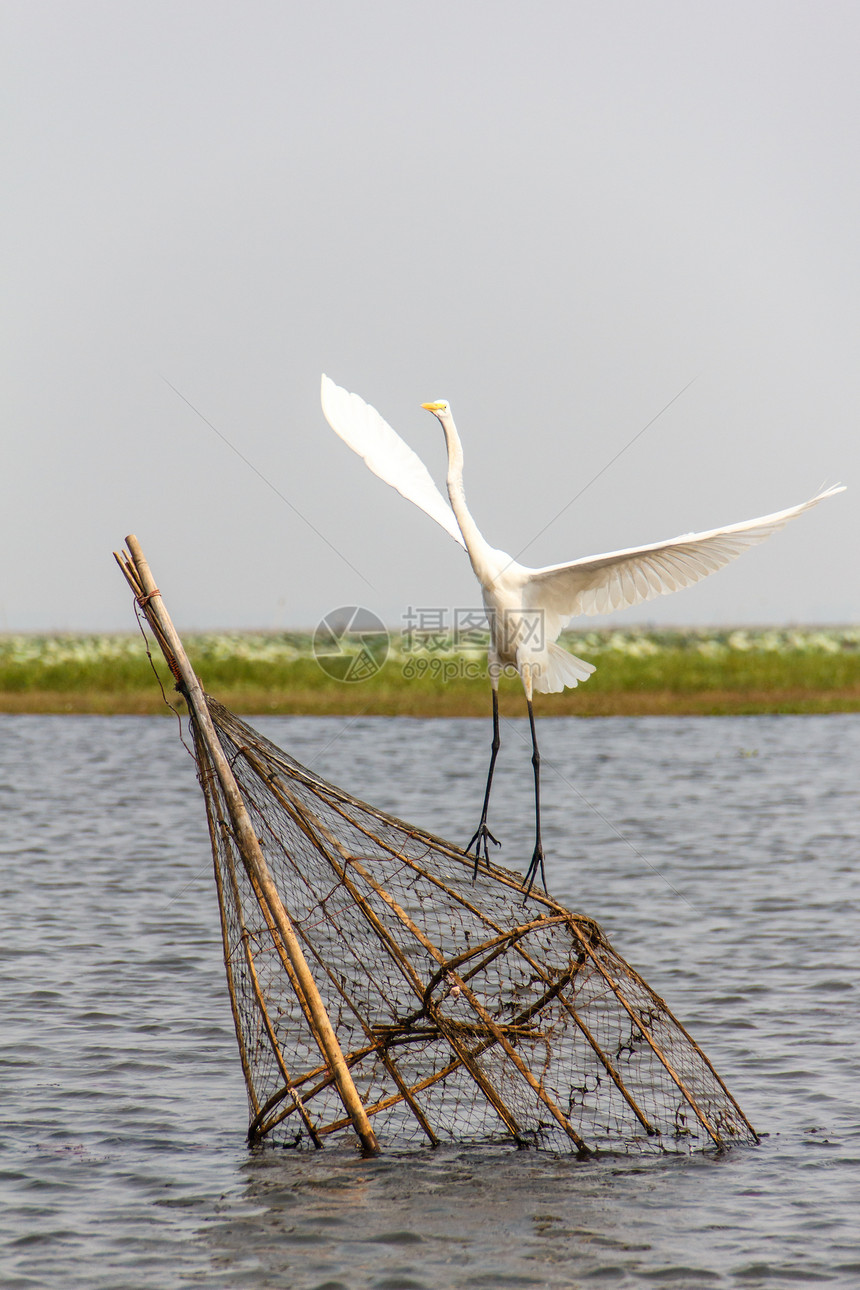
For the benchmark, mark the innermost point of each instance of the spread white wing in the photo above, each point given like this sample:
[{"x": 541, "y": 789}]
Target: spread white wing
[
  {"x": 385, "y": 453},
  {"x": 598, "y": 584}
]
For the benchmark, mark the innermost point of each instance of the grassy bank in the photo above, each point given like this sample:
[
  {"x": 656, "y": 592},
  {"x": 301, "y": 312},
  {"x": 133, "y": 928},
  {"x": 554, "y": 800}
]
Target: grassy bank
[{"x": 637, "y": 673}]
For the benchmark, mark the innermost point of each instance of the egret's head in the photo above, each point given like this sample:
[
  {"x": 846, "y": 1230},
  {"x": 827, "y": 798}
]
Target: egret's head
[{"x": 439, "y": 408}]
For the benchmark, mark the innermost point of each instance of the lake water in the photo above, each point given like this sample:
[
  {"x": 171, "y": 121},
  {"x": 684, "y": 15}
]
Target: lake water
[{"x": 721, "y": 857}]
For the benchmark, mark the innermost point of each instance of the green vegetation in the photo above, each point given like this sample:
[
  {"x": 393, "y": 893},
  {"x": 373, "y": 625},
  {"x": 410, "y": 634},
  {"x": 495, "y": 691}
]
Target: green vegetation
[{"x": 638, "y": 672}]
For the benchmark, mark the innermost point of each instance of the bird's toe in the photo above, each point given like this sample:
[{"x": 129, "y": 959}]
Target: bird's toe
[
  {"x": 481, "y": 838},
  {"x": 532, "y": 871}
]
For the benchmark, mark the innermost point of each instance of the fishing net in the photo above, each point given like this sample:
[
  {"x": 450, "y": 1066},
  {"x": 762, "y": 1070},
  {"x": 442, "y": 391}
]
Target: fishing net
[
  {"x": 379, "y": 986},
  {"x": 463, "y": 1012}
]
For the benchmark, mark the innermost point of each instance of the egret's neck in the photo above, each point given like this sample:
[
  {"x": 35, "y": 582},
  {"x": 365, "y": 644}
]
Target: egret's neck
[{"x": 475, "y": 542}]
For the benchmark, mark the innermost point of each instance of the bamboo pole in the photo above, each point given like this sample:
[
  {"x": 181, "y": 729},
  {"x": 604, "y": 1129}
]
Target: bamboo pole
[{"x": 251, "y": 851}]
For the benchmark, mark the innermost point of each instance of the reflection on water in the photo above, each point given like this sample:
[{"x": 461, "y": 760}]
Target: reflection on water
[{"x": 719, "y": 854}]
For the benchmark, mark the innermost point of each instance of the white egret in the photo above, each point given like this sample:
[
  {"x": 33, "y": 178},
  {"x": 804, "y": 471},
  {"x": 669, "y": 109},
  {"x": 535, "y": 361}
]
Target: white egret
[{"x": 528, "y": 608}]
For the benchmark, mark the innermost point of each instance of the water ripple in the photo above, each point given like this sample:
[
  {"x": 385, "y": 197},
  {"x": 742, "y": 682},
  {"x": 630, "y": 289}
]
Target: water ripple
[{"x": 729, "y": 880}]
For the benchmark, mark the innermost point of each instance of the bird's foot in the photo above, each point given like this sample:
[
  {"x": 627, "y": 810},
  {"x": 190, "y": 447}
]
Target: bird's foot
[
  {"x": 481, "y": 838},
  {"x": 536, "y": 863}
]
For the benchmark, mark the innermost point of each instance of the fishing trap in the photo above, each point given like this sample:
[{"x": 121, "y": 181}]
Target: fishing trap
[{"x": 378, "y": 988}]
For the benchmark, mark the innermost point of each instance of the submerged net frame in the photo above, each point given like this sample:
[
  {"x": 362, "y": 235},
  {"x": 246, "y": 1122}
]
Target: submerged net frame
[{"x": 377, "y": 987}]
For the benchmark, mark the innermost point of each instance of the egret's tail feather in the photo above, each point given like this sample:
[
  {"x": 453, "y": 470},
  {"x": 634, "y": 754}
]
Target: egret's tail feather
[{"x": 560, "y": 670}]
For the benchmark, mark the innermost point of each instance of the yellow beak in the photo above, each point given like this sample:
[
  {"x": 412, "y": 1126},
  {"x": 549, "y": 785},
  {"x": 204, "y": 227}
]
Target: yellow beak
[{"x": 433, "y": 407}]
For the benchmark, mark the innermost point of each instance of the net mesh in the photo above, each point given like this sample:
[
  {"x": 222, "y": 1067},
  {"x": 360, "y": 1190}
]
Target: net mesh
[{"x": 465, "y": 1011}]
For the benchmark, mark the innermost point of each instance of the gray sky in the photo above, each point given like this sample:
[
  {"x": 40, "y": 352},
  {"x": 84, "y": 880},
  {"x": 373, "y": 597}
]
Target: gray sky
[{"x": 555, "y": 215}]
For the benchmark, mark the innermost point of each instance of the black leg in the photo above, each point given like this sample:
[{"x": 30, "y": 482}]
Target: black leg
[
  {"x": 537, "y": 855},
  {"x": 482, "y": 835}
]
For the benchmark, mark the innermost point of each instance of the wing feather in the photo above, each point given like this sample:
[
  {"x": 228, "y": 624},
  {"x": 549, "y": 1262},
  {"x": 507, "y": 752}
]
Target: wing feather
[
  {"x": 384, "y": 452},
  {"x": 598, "y": 584}
]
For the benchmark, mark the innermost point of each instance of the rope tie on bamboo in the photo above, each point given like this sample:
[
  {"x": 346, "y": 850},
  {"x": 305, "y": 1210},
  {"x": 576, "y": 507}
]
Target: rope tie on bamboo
[{"x": 143, "y": 601}]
